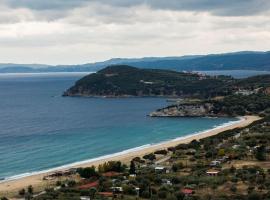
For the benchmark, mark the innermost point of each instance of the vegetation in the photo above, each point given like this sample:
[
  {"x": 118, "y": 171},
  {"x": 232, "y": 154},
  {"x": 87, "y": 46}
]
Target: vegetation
[
  {"x": 242, "y": 104},
  {"x": 121, "y": 80},
  {"x": 239, "y": 157}
]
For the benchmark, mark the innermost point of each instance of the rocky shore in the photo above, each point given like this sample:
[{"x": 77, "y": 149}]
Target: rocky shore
[{"x": 185, "y": 110}]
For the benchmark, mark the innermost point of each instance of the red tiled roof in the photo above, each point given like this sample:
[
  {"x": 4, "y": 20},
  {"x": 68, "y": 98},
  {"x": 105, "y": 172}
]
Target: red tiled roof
[
  {"x": 107, "y": 194},
  {"x": 111, "y": 174},
  {"x": 89, "y": 185},
  {"x": 187, "y": 191}
]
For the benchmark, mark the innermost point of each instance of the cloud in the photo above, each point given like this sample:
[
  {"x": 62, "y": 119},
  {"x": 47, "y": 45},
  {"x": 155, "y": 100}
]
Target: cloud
[
  {"x": 216, "y": 7},
  {"x": 80, "y": 31},
  {"x": 44, "y": 4}
]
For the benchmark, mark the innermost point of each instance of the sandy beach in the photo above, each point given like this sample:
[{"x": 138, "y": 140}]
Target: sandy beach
[{"x": 11, "y": 187}]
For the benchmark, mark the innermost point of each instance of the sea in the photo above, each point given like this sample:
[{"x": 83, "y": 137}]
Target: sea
[{"x": 40, "y": 130}]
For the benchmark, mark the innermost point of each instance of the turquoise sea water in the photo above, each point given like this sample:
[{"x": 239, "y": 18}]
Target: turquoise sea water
[{"x": 40, "y": 129}]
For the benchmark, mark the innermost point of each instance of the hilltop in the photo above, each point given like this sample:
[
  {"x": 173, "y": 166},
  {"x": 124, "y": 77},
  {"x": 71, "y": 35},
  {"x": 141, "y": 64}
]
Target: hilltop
[{"x": 123, "y": 80}]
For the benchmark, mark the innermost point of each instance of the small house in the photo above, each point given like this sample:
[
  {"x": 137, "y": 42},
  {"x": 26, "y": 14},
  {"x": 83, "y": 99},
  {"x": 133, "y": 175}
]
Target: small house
[
  {"x": 215, "y": 163},
  {"x": 84, "y": 198},
  {"x": 212, "y": 172},
  {"x": 160, "y": 169},
  {"x": 117, "y": 190}
]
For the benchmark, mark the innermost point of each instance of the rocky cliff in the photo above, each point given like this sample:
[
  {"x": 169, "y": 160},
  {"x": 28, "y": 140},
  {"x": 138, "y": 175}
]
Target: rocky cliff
[{"x": 185, "y": 110}]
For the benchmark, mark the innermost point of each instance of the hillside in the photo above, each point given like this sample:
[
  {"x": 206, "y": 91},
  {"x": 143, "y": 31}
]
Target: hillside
[
  {"x": 229, "y": 61},
  {"x": 123, "y": 80}
]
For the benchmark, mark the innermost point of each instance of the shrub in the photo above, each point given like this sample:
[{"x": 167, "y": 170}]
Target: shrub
[
  {"x": 161, "y": 152},
  {"x": 254, "y": 196},
  {"x": 22, "y": 192},
  {"x": 233, "y": 188},
  {"x": 128, "y": 189},
  {"x": 145, "y": 194},
  {"x": 115, "y": 166},
  {"x": 162, "y": 194},
  {"x": 177, "y": 166},
  {"x": 150, "y": 156},
  {"x": 261, "y": 153},
  {"x": 87, "y": 172}
]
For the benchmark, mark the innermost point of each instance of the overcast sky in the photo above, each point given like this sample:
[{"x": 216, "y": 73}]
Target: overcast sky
[{"x": 81, "y": 31}]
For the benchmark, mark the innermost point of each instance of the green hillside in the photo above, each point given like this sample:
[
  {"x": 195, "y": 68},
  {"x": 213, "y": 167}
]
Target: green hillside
[{"x": 123, "y": 80}]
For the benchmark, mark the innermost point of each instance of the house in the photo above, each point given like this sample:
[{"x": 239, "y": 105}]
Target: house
[
  {"x": 187, "y": 192},
  {"x": 212, "y": 172},
  {"x": 132, "y": 176},
  {"x": 84, "y": 198},
  {"x": 117, "y": 189},
  {"x": 89, "y": 185},
  {"x": 160, "y": 169},
  {"x": 223, "y": 159},
  {"x": 215, "y": 163},
  {"x": 245, "y": 92},
  {"x": 166, "y": 182}
]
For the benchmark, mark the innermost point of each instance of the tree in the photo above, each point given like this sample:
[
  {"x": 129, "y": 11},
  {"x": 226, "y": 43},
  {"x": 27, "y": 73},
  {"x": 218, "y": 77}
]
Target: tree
[
  {"x": 132, "y": 168},
  {"x": 233, "y": 188},
  {"x": 22, "y": 192},
  {"x": 87, "y": 172},
  {"x": 30, "y": 189},
  {"x": 92, "y": 193},
  {"x": 254, "y": 196},
  {"x": 150, "y": 156},
  {"x": 221, "y": 152},
  {"x": 261, "y": 153}
]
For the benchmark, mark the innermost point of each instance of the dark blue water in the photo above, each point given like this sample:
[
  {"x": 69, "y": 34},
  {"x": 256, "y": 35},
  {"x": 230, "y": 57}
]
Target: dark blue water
[{"x": 40, "y": 129}]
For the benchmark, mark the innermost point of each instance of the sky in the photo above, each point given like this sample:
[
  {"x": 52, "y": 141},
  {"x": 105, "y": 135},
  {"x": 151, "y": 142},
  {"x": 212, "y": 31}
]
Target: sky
[{"x": 83, "y": 31}]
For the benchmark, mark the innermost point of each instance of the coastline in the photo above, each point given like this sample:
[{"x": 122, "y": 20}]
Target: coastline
[{"x": 36, "y": 180}]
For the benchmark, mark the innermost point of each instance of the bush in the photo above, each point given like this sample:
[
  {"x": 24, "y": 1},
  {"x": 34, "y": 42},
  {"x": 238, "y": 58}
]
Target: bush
[
  {"x": 145, "y": 194},
  {"x": 162, "y": 194},
  {"x": 233, "y": 188},
  {"x": 22, "y": 192},
  {"x": 87, "y": 172},
  {"x": 115, "y": 166},
  {"x": 261, "y": 153},
  {"x": 128, "y": 189},
  {"x": 254, "y": 196},
  {"x": 138, "y": 160},
  {"x": 150, "y": 156},
  {"x": 177, "y": 166},
  {"x": 161, "y": 152},
  {"x": 71, "y": 183}
]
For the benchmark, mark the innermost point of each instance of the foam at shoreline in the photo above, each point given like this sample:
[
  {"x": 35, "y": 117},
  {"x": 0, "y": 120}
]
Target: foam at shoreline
[{"x": 135, "y": 149}]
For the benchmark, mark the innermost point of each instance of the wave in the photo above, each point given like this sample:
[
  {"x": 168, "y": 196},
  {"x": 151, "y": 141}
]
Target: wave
[{"x": 67, "y": 166}]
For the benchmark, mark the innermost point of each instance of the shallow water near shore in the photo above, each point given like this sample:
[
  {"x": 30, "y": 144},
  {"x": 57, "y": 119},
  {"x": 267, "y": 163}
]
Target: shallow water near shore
[{"x": 40, "y": 129}]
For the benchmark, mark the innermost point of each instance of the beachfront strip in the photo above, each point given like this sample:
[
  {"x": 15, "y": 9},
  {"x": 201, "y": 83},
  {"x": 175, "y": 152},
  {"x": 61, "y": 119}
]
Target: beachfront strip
[{"x": 228, "y": 163}]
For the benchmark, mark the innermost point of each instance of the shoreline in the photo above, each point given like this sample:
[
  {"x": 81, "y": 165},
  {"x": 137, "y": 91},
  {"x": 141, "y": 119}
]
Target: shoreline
[{"x": 36, "y": 178}]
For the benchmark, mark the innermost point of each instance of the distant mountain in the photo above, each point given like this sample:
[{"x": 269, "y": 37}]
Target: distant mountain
[{"x": 245, "y": 60}]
